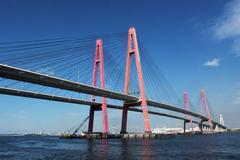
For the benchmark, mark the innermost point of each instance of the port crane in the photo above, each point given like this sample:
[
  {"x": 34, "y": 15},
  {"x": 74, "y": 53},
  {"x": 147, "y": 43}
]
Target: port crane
[{"x": 78, "y": 127}]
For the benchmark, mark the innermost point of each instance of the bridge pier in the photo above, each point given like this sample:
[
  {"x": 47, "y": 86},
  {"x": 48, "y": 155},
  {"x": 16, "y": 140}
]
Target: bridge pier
[
  {"x": 126, "y": 106},
  {"x": 91, "y": 119},
  {"x": 185, "y": 124},
  {"x": 208, "y": 129},
  {"x": 124, "y": 119},
  {"x": 201, "y": 126},
  {"x": 184, "y": 127}
]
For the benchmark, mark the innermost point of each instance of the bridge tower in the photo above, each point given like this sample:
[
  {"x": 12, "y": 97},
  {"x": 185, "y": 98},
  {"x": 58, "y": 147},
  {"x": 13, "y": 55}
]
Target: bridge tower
[
  {"x": 187, "y": 107},
  {"x": 205, "y": 103},
  {"x": 132, "y": 50},
  {"x": 98, "y": 62},
  {"x": 221, "y": 120}
]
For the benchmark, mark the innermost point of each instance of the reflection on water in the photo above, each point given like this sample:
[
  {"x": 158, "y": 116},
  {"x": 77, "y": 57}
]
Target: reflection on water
[
  {"x": 124, "y": 149},
  {"x": 104, "y": 149},
  {"x": 219, "y": 146},
  {"x": 147, "y": 149}
]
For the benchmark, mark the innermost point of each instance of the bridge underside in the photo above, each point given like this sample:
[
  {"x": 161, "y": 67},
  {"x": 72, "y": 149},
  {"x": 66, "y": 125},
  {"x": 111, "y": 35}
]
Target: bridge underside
[{"x": 21, "y": 93}]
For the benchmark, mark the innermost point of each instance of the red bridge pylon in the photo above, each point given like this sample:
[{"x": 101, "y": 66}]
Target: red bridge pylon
[
  {"x": 187, "y": 107},
  {"x": 204, "y": 103},
  {"x": 98, "y": 61},
  {"x": 133, "y": 50}
]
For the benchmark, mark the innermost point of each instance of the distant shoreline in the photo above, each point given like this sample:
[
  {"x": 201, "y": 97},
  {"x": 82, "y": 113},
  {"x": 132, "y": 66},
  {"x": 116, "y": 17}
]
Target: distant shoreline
[
  {"x": 52, "y": 135},
  {"x": 11, "y": 134},
  {"x": 2, "y": 135}
]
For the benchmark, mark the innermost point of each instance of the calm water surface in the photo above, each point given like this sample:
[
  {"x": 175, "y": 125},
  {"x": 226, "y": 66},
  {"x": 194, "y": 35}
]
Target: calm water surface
[{"x": 218, "y": 146}]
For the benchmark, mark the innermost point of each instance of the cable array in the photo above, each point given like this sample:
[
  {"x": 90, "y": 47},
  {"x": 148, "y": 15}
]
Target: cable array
[{"x": 72, "y": 58}]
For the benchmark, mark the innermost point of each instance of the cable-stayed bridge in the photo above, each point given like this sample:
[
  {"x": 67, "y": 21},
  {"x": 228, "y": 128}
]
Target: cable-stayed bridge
[{"x": 66, "y": 69}]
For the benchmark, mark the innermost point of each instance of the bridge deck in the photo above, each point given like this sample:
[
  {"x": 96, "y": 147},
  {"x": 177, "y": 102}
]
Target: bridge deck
[{"x": 46, "y": 80}]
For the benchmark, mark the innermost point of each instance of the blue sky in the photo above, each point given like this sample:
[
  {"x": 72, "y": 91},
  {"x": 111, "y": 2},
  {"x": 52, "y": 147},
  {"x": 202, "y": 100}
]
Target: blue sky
[{"x": 197, "y": 44}]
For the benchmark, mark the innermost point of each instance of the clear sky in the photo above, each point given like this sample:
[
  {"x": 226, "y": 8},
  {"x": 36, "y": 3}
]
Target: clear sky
[{"x": 197, "y": 44}]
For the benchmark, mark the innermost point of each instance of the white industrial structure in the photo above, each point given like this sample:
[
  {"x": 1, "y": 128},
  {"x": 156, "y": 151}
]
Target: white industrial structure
[{"x": 221, "y": 120}]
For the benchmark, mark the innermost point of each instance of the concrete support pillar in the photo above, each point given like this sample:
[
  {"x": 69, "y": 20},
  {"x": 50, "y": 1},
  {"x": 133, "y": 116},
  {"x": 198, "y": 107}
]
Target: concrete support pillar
[
  {"x": 91, "y": 119},
  {"x": 201, "y": 126},
  {"x": 184, "y": 127},
  {"x": 124, "y": 119}
]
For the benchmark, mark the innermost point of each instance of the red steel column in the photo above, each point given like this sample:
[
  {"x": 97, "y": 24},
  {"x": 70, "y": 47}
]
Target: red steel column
[
  {"x": 187, "y": 106},
  {"x": 185, "y": 102},
  {"x": 102, "y": 78},
  {"x": 94, "y": 81},
  {"x": 98, "y": 60},
  {"x": 201, "y": 107},
  {"x": 133, "y": 49},
  {"x": 204, "y": 101},
  {"x": 126, "y": 86},
  {"x": 124, "y": 119}
]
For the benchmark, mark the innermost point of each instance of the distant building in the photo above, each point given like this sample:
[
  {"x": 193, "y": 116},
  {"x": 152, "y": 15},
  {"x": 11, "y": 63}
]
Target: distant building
[{"x": 167, "y": 130}]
